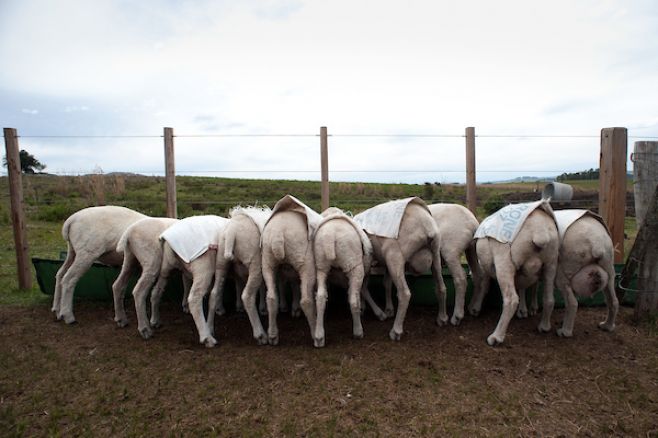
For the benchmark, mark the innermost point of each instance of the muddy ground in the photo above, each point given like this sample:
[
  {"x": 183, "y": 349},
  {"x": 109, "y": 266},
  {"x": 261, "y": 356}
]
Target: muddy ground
[{"x": 96, "y": 379}]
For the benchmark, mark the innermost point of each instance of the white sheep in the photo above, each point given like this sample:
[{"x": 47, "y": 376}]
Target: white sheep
[
  {"x": 190, "y": 245},
  {"x": 238, "y": 248},
  {"x": 414, "y": 240},
  {"x": 457, "y": 226},
  {"x": 518, "y": 246},
  {"x": 340, "y": 244},
  {"x": 141, "y": 247},
  {"x": 91, "y": 234},
  {"x": 286, "y": 240},
  {"x": 585, "y": 265}
]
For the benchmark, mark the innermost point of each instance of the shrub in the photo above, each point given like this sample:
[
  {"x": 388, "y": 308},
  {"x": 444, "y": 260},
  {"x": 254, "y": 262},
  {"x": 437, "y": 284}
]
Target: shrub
[
  {"x": 493, "y": 204},
  {"x": 56, "y": 213}
]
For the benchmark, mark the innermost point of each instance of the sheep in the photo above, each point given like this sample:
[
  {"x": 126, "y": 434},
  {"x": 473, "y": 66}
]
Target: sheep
[
  {"x": 140, "y": 245},
  {"x": 585, "y": 265},
  {"x": 402, "y": 232},
  {"x": 518, "y": 245},
  {"x": 286, "y": 240},
  {"x": 339, "y": 243},
  {"x": 190, "y": 245},
  {"x": 457, "y": 225},
  {"x": 91, "y": 234},
  {"x": 238, "y": 247}
]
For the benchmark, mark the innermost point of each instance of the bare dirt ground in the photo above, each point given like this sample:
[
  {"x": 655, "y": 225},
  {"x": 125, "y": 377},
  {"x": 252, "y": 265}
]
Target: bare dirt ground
[{"x": 99, "y": 380}]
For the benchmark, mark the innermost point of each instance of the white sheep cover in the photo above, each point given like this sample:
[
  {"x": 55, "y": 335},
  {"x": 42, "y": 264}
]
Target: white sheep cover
[
  {"x": 290, "y": 203},
  {"x": 505, "y": 224},
  {"x": 384, "y": 219},
  {"x": 565, "y": 218},
  {"x": 191, "y": 237}
]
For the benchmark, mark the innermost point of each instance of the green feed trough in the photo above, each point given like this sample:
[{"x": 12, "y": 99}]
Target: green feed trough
[{"x": 96, "y": 284}]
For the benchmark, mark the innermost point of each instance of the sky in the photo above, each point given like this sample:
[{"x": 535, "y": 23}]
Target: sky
[{"x": 89, "y": 85}]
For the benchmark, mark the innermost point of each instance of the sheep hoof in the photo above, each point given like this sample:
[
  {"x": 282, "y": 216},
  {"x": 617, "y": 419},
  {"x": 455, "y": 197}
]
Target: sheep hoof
[
  {"x": 296, "y": 313},
  {"x": 358, "y": 335},
  {"x": 146, "y": 332},
  {"x": 69, "y": 319},
  {"x": 273, "y": 340},
  {"x": 564, "y": 333},
  {"x": 261, "y": 339},
  {"x": 381, "y": 315},
  {"x": 389, "y": 313},
  {"x": 521, "y": 314},
  {"x": 220, "y": 311},
  {"x": 186, "y": 309},
  {"x": 156, "y": 324},
  {"x": 122, "y": 322},
  {"x": 606, "y": 327},
  {"x": 473, "y": 311},
  {"x": 318, "y": 342},
  {"x": 455, "y": 320},
  {"x": 209, "y": 342},
  {"x": 533, "y": 311},
  {"x": 544, "y": 328},
  {"x": 395, "y": 336},
  {"x": 494, "y": 340},
  {"x": 441, "y": 320}
]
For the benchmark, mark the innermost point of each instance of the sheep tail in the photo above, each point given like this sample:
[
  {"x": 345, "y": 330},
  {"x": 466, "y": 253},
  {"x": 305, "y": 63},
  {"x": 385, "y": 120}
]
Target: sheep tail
[
  {"x": 229, "y": 243},
  {"x": 541, "y": 239},
  {"x": 123, "y": 241},
  {"x": 278, "y": 246},
  {"x": 66, "y": 227}
]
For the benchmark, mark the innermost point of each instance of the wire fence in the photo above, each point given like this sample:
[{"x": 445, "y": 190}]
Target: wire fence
[{"x": 432, "y": 161}]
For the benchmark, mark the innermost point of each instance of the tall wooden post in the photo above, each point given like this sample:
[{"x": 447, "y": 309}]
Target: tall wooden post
[
  {"x": 324, "y": 165},
  {"x": 612, "y": 185},
  {"x": 471, "y": 197},
  {"x": 645, "y": 176},
  {"x": 170, "y": 172},
  {"x": 17, "y": 213}
]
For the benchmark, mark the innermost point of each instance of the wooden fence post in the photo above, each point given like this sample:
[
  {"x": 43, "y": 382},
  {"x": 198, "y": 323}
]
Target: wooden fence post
[
  {"x": 17, "y": 213},
  {"x": 324, "y": 165},
  {"x": 612, "y": 185},
  {"x": 471, "y": 197},
  {"x": 645, "y": 177},
  {"x": 170, "y": 173}
]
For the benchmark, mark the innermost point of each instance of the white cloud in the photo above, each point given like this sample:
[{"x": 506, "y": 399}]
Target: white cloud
[
  {"x": 30, "y": 111},
  {"x": 507, "y": 67}
]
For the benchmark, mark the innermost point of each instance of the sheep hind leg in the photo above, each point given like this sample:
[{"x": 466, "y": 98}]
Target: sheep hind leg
[
  {"x": 272, "y": 306},
  {"x": 119, "y": 288},
  {"x": 611, "y": 301},
  {"x": 80, "y": 265},
  {"x": 203, "y": 269},
  {"x": 365, "y": 294},
  {"x": 548, "y": 301},
  {"x": 140, "y": 293},
  {"x": 249, "y": 292},
  {"x": 441, "y": 293},
  {"x": 522, "y": 310},
  {"x": 459, "y": 279},
  {"x": 570, "y": 309},
  {"x": 321, "y": 305},
  {"x": 214, "y": 302},
  {"x": 57, "y": 298},
  {"x": 187, "y": 285},
  {"x": 505, "y": 274},
  {"x": 356, "y": 280},
  {"x": 395, "y": 266},
  {"x": 239, "y": 288},
  {"x": 307, "y": 302}
]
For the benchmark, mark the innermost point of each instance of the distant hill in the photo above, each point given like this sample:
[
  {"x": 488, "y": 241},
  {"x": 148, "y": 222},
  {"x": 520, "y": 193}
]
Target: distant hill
[{"x": 522, "y": 179}]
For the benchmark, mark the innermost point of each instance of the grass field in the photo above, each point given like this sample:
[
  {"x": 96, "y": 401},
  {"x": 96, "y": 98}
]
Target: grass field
[{"x": 95, "y": 379}]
